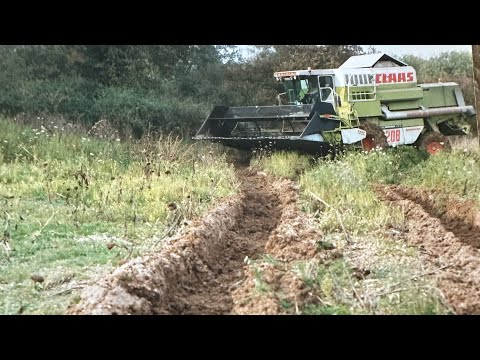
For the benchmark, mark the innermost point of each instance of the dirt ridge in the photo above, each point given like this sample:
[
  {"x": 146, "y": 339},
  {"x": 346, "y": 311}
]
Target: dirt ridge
[{"x": 447, "y": 237}]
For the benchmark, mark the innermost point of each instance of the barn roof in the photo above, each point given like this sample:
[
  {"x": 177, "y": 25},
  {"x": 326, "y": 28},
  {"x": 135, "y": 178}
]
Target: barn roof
[{"x": 369, "y": 61}]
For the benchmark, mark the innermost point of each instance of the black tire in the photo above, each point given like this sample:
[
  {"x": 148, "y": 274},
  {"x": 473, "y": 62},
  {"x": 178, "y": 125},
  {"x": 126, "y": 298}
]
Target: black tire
[
  {"x": 433, "y": 142},
  {"x": 376, "y": 138}
]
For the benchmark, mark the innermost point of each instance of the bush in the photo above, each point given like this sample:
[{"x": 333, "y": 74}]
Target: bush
[
  {"x": 72, "y": 97},
  {"x": 140, "y": 111}
]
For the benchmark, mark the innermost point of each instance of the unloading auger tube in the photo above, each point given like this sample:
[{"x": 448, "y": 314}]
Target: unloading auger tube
[{"x": 401, "y": 115}]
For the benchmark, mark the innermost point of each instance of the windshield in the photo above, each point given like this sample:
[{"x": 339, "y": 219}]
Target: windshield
[{"x": 302, "y": 90}]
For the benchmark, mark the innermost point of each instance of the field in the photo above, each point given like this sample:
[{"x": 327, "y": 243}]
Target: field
[
  {"x": 92, "y": 224},
  {"x": 74, "y": 206}
]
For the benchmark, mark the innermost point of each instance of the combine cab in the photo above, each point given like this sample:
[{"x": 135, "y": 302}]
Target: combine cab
[{"x": 370, "y": 101}]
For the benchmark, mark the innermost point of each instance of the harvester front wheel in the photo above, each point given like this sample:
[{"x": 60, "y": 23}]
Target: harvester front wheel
[
  {"x": 375, "y": 138},
  {"x": 434, "y": 142}
]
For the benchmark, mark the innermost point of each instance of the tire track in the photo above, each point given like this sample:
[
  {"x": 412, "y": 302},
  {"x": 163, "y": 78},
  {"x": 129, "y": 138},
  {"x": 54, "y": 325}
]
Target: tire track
[{"x": 197, "y": 273}]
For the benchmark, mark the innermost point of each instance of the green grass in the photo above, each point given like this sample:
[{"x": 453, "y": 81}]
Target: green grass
[
  {"x": 65, "y": 196},
  {"x": 457, "y": 172},
  {"x": 392, "y": 285},
  {"x": 346, "y": 182},
  {"x": 346, "y": 185},
  {"x": 261, "y": 285},
  {"x": 325, "y": 310},
  {"x": 282, "y": 164}
]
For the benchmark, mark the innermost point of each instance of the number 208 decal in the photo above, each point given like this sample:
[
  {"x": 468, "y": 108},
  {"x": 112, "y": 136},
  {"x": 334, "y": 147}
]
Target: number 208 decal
[{"x": 393, "y": 135}]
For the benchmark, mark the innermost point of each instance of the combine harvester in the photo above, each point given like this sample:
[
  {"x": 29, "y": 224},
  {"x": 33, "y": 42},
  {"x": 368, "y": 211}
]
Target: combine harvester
[{"x": 371, "y": 101}]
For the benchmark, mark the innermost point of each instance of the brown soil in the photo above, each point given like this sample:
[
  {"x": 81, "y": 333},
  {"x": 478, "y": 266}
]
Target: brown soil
[
  {"x": 206, "y": 271},
  {"x": 447, "y": 230},
  {"x": 273, "y": 279}
]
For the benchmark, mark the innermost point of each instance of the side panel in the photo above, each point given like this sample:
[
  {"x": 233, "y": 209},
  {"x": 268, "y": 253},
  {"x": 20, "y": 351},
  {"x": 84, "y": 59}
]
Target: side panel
[
  {"x": 368, "y": 108},
  {"x": 404, "y": 105},
  {"x": 400, "y": 123},
  {"x": 385, "y": 95},
  {"x": 436, "y": 95},
  {"x": 351, "y": 136}
]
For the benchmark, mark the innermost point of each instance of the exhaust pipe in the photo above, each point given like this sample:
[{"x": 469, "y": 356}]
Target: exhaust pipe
[{"x": 401, "y": 115}]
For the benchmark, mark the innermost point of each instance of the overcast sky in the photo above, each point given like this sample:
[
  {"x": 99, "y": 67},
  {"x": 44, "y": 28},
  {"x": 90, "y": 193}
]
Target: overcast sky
[{"x": 424, "y": 51}]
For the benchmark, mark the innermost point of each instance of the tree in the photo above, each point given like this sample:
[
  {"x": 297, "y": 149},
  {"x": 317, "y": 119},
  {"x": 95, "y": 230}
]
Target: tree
[{"x": 476, "y": 75}]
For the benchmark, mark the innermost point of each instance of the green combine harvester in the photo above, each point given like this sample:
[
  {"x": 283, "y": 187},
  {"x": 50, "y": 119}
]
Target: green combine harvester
[{"x": 371, "y": 101}]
